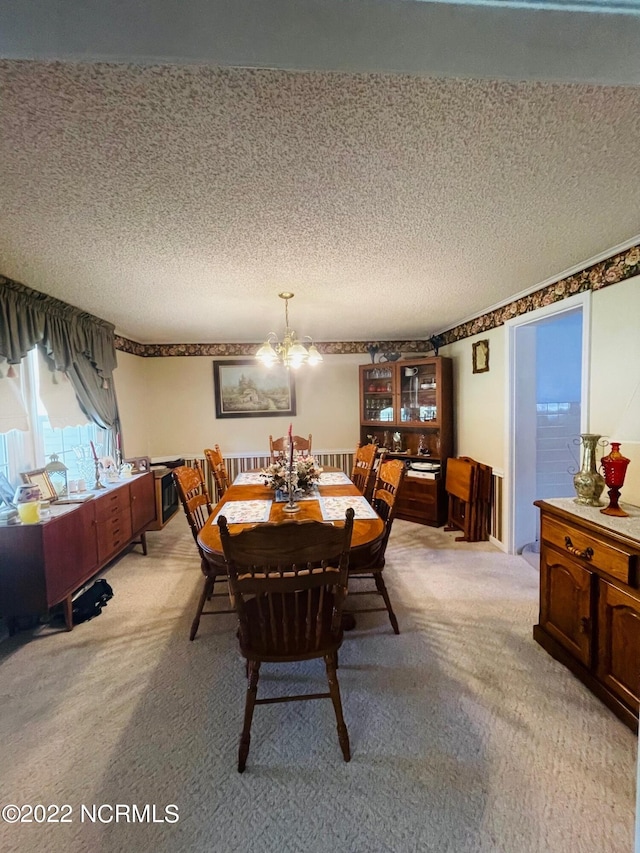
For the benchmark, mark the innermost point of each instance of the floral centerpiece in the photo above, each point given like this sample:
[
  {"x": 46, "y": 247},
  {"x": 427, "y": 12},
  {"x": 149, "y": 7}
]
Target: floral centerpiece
[{"x": 305, "y": 474}]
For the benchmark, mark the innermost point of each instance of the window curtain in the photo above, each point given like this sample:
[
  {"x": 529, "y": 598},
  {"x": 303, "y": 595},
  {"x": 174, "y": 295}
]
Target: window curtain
[
  {"x": 13, "y": 412},
  {"x": 58, "y": 395},
  {"x": 73, "y": 341}
]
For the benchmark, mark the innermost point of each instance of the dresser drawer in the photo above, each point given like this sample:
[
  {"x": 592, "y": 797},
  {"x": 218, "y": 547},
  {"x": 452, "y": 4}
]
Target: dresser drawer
[
  {"x": 589, "y": 549},
  {"x": 113, "y": 535},
  {"x": 112, "y": 504}
]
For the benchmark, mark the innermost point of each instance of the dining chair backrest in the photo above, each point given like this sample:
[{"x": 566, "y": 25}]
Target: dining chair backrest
[
  {"x": 214, "y": 457},
  {"x": 389, "y": 478},
  {"x": 370, "y": 562},
  {"x": 193, "y": 495},
  {"x": 363, "y": 463},
  {"x": 278, "y": 446},
  {"x": 295, "y": 575}
]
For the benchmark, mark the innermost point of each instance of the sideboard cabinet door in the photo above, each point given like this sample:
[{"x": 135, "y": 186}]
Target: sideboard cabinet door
[
  {"x": 143, "y": 502},
  {"x": 71, "y": 552},
  {"x": 619, "y": 642},
  {"x": 565, "y": 603}
]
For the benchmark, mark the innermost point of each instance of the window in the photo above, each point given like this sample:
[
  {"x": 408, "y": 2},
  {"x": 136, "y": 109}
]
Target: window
[
  {"x": 24, "y": 451},
  {"x": 4, "y": 456}
]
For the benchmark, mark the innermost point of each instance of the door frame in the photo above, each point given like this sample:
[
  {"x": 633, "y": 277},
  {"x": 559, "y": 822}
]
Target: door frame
[{"x": 580, "y": 300}]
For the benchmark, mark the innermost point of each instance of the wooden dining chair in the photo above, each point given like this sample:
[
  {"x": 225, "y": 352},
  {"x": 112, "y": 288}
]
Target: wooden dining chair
[
  {"x": 196, "y": 503},
  {"x": 363, "y": 465},
  {"x": 278, "y": 446},
  {"x": 218, "y": 469},
  {"x": 370, "y": 563},
  {"x": 289, "y": 582}
]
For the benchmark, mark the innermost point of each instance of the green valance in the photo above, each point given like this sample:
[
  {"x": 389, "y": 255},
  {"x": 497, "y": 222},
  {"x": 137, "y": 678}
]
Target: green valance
[
  {"x": 28, "y": 318},
  {"x": 77, "y": 343}
]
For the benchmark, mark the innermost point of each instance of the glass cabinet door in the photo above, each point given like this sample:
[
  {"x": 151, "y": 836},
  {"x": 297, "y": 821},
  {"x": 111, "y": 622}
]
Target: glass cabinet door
[
  {"x": 418, "y": 393},
  {"x": 377, "y": 395}
]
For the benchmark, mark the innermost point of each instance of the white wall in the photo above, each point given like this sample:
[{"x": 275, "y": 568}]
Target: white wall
[
  {"x": 479, "y": 399},
  {"x": 134, "y": 399},
  {"x": 615, "y": 370},
  {"x": 175, "y": 411}
]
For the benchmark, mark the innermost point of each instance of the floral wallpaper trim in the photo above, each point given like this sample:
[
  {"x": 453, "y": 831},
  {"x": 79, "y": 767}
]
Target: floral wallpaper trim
[
  {"x": 328, "y": 348},
  {"x": 610, "y": 271}
]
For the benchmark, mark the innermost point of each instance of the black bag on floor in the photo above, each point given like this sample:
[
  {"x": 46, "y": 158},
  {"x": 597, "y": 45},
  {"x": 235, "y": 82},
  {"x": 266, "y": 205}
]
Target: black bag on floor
[{"x": 90, "y": 603}]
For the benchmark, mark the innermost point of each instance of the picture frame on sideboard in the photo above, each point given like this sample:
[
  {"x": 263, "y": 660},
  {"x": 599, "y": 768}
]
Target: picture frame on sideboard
[{"x": 40, "y": 477}]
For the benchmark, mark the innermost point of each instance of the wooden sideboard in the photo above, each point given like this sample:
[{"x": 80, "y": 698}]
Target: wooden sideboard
[
  {"x": 43, "y": 564},
  {"x": 590, "y": 599}
]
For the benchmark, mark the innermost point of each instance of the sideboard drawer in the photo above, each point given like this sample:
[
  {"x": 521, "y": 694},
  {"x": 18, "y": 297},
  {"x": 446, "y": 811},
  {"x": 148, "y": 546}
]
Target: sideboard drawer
[
  {"x": 589, "y": 549},
  {"x": 112, "y": 504},
  {"x": 113, "y": 535}
]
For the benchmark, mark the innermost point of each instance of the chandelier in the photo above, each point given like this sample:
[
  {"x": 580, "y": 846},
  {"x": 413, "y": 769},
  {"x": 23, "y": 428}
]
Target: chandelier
[{"x": 291, "y": 352}]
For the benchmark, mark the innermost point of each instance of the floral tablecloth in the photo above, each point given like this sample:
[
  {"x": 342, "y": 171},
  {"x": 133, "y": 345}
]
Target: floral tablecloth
[
  {"x": 245, "y": 512},
  {"x": 334, "y": 508}
]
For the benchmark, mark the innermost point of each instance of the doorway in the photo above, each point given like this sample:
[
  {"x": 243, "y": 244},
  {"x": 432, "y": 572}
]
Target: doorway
[{"x": 548, "y": 411}]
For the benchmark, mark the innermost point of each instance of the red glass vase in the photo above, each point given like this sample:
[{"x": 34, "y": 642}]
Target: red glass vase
[{"x": 615, "y": 468}]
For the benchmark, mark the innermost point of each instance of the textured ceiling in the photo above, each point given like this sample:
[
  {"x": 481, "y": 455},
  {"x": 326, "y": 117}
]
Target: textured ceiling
[{"x": 176, "y": 202}]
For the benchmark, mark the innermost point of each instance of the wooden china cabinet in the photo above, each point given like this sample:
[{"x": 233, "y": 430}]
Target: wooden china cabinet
[
  {"x": 590, "y": 599},
  {"x": 407, "y": 407}
]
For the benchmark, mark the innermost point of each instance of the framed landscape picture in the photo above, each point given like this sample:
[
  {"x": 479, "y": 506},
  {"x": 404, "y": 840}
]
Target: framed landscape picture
[{"x": 244, "y": 388}]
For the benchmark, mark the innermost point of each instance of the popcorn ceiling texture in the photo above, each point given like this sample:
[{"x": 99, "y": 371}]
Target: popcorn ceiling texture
[{"x": 176, "y": 202}]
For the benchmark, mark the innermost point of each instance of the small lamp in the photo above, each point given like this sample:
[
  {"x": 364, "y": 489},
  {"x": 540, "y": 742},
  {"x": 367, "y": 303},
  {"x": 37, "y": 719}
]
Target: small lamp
[
  {"x": 614, "y": 466},
  {"x": 57, "y": 472}
]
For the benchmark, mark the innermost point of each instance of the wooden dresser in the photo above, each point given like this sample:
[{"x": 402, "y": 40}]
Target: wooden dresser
[
  {"x": 590, "y": 599},
  {"x": 44, "y": 564}
]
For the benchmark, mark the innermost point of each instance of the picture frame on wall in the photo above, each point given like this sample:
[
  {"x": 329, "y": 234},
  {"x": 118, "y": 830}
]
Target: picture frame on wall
[
  {"x": 480, "y": 351},
  {"x": 243, "y": 388}
]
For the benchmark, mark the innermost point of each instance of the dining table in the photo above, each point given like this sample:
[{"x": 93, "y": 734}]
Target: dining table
[{"x": 249, "y": 501}]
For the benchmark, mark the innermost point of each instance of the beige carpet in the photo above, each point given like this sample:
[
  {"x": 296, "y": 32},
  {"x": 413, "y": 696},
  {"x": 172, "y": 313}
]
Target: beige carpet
[{"x": 465, "y": 735}]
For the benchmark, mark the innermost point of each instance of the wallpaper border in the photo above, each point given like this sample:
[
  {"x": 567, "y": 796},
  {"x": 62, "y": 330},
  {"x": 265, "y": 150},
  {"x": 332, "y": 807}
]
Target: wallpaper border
[{"x": 612, "y": 270}]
